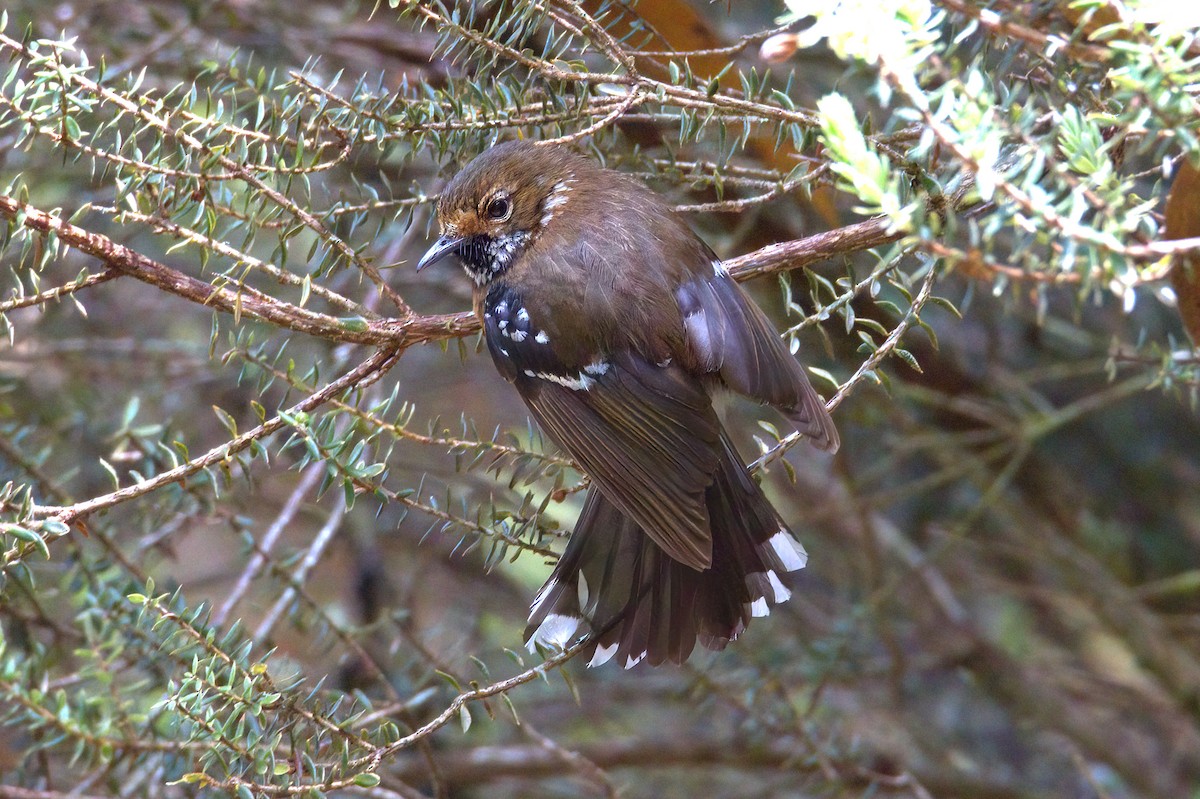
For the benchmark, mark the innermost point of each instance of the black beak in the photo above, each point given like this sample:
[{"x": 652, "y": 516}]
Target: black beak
[{"x": 446, "y": 245}]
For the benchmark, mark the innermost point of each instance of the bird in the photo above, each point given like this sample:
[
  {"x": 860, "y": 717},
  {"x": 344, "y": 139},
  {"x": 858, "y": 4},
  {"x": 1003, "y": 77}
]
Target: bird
[{"x": 618, "y": 325}]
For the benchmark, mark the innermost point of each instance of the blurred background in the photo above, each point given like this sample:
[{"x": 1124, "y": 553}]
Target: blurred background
[{"x": 1004, "y": 576}]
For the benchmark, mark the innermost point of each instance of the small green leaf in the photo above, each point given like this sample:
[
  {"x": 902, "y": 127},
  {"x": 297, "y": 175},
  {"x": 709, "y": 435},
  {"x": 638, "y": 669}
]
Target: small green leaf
[
  {"x": 131, "y": 411},
  {"x": 55, "y": 527},
  {"x": 908, "y": 358},
  {"x": 366, "y": 780},
  {"x": 30, "y": 537},
  {"x": 226, "y": 420}
]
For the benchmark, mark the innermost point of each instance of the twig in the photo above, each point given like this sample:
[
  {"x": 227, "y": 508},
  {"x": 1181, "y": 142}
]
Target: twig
[
  {"x": 308, "y": 480},
  {"x": 43, "y": 297},
  {"x": 889, "y": 344},
  {"x": 378, "y": 362},
  {"x": 245, "y": 300},
  {"x": 141, "y": 108},
  {"x": 311, "y": 556}
]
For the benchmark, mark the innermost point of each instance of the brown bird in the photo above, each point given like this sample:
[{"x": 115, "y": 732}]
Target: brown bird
[{"x": 616, "y": 323}]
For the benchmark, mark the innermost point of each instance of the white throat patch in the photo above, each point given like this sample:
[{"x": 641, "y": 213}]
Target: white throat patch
[{"x": 498, "y": 256}]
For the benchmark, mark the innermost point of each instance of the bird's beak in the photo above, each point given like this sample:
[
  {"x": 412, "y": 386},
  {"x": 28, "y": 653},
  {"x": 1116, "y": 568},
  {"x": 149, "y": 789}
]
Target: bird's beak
[{"x": 446, "y": 245}]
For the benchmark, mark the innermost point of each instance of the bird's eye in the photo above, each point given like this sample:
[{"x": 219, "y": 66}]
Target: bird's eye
[{"x": 498, "y": 208}]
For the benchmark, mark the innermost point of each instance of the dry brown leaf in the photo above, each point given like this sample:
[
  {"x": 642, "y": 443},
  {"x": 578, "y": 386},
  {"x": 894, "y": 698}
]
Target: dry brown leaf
[
  {"x": 1183, "y": 222},
  {"x": 680, "y": 27},
  {"x": 1097, "y": 16}
]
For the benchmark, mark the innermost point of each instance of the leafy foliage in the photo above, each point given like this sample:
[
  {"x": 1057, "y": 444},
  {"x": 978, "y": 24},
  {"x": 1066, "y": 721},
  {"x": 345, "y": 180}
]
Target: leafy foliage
[{"x": 245, "y": 554}]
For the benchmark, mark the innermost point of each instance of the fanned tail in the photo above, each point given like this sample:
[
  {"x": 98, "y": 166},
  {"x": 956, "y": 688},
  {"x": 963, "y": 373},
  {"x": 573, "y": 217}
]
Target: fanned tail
[{"x": 613, "y": 581}]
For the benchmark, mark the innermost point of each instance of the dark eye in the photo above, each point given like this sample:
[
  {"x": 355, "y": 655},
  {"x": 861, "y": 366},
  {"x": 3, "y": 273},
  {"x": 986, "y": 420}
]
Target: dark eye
[{"x": 499, "y": 208}]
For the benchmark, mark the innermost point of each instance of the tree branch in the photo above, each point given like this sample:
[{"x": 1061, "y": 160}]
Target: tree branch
[
  {"x": 379, "y": 361},
  {"x": 245, "y": 300},
  {"x": 405, "y": 332}
]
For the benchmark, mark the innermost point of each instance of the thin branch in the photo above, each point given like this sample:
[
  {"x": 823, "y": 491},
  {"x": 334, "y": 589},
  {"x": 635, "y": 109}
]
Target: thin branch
[
  {"x": 141, "y": 108},
  {"x": 166, "y": 226},
  {"x": 773, "y": 258},
  {"x": 308, "y": 481},
  {"x": 377, "y": 363},
  {"x": 995, "y": 24},
  {"x": 788, "y": 255},
  {"x": 300, "y": 574},
  {"x": 244, "y": 300},
  {"x": 865, "y": 368},
  {"x": 58, "y": 292}
]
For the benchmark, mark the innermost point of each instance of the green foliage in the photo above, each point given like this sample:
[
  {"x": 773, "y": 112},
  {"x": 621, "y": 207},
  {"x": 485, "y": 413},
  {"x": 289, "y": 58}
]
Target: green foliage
[{"x": 245, "y": 554}]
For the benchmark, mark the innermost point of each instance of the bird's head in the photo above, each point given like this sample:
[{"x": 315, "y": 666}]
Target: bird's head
[{"x": 499, "y": 203}]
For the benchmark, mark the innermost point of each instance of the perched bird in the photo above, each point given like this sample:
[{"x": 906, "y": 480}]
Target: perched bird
[{"x": 616, "y": 323}]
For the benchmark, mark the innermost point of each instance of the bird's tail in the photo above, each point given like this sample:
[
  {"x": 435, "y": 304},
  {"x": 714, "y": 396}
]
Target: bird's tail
[{"x": 639, "y": 604}]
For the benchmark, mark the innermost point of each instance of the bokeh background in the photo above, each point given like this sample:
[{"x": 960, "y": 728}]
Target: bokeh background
[{"x": 1004, "y": 577}]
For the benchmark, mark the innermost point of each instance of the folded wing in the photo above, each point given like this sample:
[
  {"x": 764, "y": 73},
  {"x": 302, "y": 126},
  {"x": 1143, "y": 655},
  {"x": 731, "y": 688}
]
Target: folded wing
[
  {"x": 646, "y": 435},
  {"x": 728, "y": 335}
]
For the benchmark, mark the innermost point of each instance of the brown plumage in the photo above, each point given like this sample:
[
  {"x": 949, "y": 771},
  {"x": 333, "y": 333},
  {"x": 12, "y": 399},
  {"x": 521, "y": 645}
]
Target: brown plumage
[{"x": 615, "y": 322}]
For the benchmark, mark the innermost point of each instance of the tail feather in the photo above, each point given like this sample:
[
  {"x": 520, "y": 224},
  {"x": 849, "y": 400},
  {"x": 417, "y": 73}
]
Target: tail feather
[{"x": 639, "y": 604}]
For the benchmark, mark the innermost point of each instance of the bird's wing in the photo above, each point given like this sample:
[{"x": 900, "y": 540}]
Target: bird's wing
[
  {"x": 730, "y": 336},
  {"x": 646, "y": 434}
]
